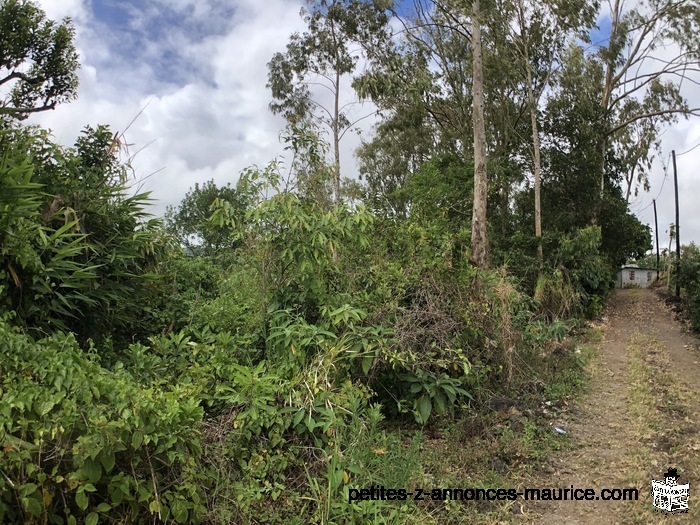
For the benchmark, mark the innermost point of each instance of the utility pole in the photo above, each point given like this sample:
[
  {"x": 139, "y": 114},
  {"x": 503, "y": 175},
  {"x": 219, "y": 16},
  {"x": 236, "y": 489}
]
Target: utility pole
[
  {"x": 656, "y": 231},
  {"x": 678, "y": 230}
]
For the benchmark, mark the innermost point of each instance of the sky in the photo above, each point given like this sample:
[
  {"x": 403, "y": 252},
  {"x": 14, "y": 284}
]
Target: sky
[
  {"x": 187, "y": 77},
  {"x": 191, "y": 75}
]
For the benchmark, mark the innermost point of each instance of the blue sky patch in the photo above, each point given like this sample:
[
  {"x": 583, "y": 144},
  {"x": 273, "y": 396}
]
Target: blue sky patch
[
  {"x": 601, "y": 34},
  {"x": 159, "y": 35}
]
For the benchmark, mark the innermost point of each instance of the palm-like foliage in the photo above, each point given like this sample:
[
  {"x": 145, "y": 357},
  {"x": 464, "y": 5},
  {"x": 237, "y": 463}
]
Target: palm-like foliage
[{"x": 75, "y": 248}]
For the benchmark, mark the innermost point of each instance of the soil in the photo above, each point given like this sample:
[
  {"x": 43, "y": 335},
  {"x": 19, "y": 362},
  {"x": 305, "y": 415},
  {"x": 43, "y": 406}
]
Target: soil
[{"x": 604, "y": 426}]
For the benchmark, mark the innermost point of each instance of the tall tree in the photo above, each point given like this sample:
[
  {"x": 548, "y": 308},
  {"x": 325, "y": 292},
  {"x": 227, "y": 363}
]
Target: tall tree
[
  {"x": 441, "y": 46},
  {"x": 651, "y": 50},
  {"x": 323, "y": 57},
  {"x": 571, "y": 127},
  {"x": 38, "y": 61},
  {"x": 189, "y": 221},
  {"x": 479, "y": 229},
  {"x": 538, "y": 32},
  {"x": 416, "y": 125}
]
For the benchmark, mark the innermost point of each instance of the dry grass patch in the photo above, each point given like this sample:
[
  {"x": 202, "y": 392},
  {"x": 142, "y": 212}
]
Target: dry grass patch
[{"x": 661, "y": 408}]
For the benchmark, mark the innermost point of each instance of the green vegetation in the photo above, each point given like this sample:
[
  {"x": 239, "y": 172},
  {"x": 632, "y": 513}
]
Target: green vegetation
[
  {"x": 657, "y": 400},
  {"x": 268, "y": 347},
  {"x": 38, "y": 62},
  {"x": 689, "y": 274},
  {"x": 686, "y": 272}
]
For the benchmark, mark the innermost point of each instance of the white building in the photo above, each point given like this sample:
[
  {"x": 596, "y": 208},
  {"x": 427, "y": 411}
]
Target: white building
[{"x": 632, "y": 276}]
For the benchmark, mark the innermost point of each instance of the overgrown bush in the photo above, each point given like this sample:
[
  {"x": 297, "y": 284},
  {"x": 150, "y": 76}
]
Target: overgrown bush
[
  {"x": 222, "y": 383},
  {"x": 689, "y": 273},
  {"x": 82, "y": 444},
  {"x": 584, "y": 274},
  {"x": 77, "y": 252},
  {"x": 556, "y": 296}
]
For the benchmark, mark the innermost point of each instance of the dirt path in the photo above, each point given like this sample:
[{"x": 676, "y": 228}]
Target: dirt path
[{"x": 639, "y": 417}]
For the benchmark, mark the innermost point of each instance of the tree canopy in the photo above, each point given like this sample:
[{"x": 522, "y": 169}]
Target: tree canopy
[{"x": 38, "y": 60}]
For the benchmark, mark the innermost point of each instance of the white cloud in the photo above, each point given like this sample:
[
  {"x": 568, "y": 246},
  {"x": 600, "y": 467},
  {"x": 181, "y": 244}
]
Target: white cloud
[
  {"x": 59, "y": 9},
  {"x": 205, "y": 98},
  {"x": 210, "y": 119},
  {"x": 211, "y": 126}
]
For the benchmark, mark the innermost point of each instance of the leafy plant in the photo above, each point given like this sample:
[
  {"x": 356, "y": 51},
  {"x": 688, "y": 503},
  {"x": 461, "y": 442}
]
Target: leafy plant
[{"x": 81, "y": 443}]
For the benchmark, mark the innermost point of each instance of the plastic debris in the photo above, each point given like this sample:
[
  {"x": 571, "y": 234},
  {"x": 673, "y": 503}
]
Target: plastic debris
[{"x": 559, "y": 430}]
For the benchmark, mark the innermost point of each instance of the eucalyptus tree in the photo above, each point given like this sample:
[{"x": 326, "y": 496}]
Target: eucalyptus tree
[
  {"x": 537, "y": 32},
  {"x": 479, "y": 230},
  {"x": 463, "y": 22},
  {"x": 402, "y": 143},
  {"x": 651, "y": 50},
  {"x": 340, "y": 34},
  {"x": 442, "y": 38},
  {"x": 38, "y": 61},
  {"x": 424, "y": 101}
]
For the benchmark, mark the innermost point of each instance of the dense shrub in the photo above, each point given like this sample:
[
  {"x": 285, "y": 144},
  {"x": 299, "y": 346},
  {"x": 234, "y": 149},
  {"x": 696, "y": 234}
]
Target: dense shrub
[
  {"x": 82, "y": 444},
  {"x": 690, "y": 281},
  {"x": 77, "y": 251}
]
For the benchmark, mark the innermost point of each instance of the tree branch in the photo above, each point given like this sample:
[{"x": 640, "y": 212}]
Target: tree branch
[
  {"x": 26, "y": 111},
  {"x": 694, "y": 112}
]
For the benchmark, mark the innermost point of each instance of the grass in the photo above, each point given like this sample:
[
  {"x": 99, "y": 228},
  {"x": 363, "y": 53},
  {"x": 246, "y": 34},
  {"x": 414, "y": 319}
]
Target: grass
[{"x": 660, "y": 407}]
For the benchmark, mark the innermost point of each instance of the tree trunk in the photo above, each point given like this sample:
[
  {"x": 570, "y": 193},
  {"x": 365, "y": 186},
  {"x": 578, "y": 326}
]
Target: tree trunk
[
  {"x": 536, "y": 154},
  {"x": 336, "y": 138},
  {"x": 605, "y": 107},
  {"x": 479, "y": 233},
  {"x": 629, "y": 179},
  {"x": 537, "y": 169}
]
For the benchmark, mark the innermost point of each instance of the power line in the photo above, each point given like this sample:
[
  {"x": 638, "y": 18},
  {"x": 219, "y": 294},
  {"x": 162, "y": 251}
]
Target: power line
[
  {"x": 662, "y": 184},
  {"x": 688, "y": 151}
]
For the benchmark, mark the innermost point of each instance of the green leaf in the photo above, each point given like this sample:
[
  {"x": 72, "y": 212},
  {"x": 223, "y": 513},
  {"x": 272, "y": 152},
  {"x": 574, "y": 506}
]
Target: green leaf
[
  {"x": 424, "y": 407},
  {"x": 355, "y": 469},
  {"x": 441, "y": 404},
  {"x": 137, "y": 439},
  {"x": 92, "y": 518},
  {"x": 104, "y": 507},
  {"x": 92, "y": 470},
  {"x": 107, "y": 459},
  {"x": 118, "y": 496},
  {"x": 179, "y": 511},
  {"x": 338, "y": 478},
  {"x": 81, "y": 499},
  {"x": 367, "y": 363},
  {"x": 45, "y": 407},
  {"x": 299, "y": 416},
  {"x": 448, "y": 388},
  {"x": 27, "y": 489},
  {"x": 33, "y": 505}
]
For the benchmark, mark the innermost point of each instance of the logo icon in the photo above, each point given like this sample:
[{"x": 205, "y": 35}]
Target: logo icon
[{"x": 668, "y": 494}]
